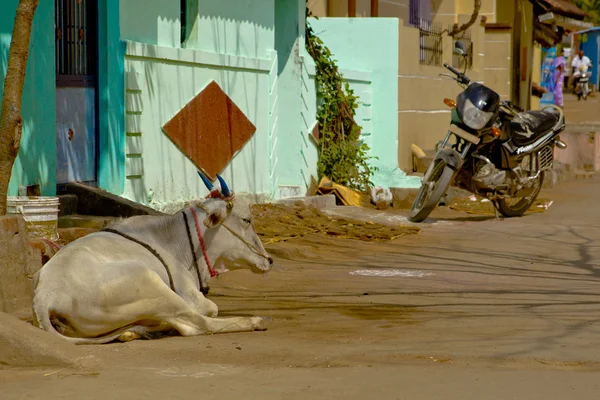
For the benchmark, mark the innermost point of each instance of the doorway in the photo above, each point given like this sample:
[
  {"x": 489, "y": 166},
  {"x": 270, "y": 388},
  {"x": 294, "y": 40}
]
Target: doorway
[{"x": 76, "y": 90}]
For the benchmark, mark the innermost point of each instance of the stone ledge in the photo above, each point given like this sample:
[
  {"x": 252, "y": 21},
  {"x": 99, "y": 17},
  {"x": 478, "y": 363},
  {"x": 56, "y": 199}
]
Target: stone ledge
[
  {"x": 84, "y": 221},
  {"x": 320, "y": 202},
  {"x": 94, "y": 201}
]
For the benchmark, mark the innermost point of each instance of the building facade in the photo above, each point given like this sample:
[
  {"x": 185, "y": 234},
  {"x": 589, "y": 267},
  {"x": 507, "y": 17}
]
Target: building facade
[
  {"x": 134, "y": 96},
  {"x": 504, "y": 53}
]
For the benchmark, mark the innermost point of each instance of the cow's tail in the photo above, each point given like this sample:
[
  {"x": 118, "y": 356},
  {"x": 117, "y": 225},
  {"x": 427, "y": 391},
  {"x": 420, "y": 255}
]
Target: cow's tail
[{"x": 42, "y": 319}]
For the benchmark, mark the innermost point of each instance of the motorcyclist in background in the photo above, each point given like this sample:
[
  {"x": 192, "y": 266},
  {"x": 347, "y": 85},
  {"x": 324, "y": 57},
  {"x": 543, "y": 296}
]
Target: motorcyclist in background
[{"x": 580, "y": 61}]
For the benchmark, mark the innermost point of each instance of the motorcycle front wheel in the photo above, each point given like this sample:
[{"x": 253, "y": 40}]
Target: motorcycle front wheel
[
  {"x": 434, "y": 185},
  {"x": 517, "y": 206}
]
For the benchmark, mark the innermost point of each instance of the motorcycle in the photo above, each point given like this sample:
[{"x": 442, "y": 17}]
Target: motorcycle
[
  {"x": 582, "y": 88},
  {"x": 492, "y": 149}
]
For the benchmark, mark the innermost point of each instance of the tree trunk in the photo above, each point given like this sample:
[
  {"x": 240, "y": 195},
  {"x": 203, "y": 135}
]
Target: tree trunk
[{"x": 11, "y": 122}]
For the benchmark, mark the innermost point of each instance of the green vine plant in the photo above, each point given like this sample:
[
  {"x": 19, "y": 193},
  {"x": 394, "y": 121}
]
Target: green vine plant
[{"x": 343, "y": 156}]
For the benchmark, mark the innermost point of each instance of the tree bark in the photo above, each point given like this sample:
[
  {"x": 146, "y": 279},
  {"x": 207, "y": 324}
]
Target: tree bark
[
  {"x": 11, "y": 123},
  {"x": 456, "y": 30}
]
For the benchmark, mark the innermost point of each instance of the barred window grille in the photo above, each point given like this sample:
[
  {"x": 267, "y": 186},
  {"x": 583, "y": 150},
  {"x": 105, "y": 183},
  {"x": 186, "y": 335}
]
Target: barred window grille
[
  {"x": 459, "y": 61},
  {"x": 75, "y": 30},
  {"x": 430, "y": 43}
]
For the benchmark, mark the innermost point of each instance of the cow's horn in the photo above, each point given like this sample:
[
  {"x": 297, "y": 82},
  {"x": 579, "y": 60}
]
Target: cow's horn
[
  {"x": 209, "y": 185},
  {"x": 224, "y": 189}
]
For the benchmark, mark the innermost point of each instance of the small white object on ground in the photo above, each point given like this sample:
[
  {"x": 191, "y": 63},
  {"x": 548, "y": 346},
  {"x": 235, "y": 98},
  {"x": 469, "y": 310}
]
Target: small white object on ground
[
  {"x": 381, "y": 195},
  {"x": 385, "y": 273},
  {"x": 546, "y": 205}
]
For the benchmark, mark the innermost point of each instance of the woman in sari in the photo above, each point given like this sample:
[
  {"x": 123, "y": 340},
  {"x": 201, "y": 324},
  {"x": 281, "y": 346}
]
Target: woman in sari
[{"x": 559, "y": 78}]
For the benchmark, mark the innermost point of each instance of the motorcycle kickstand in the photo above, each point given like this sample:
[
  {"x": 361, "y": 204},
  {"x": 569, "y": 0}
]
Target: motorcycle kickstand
[{"x": 495, "y": 203}]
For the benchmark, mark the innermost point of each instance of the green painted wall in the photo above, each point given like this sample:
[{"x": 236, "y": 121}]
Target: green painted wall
[
  {"x": 235, "y": 27},
  {"x": 36, "y": 162},
  {"x": 160, "y": 81},
  {"x": 151, "y": 21},
  {"x": 371, "y": 44},
  {"x": 288, "y": 45},
  {"x": 111, "y": 135}
]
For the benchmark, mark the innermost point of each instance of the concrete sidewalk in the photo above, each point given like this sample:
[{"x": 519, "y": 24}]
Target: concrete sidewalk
[{"x": 582, "y": 135}]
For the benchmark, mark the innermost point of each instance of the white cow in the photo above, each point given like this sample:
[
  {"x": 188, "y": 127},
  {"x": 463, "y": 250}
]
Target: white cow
[{"x": 145, "y": 276}]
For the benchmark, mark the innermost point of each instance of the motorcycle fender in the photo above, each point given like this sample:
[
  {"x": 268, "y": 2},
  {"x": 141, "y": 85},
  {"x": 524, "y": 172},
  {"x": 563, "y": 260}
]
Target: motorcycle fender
[{"x": 452, "y": 158}]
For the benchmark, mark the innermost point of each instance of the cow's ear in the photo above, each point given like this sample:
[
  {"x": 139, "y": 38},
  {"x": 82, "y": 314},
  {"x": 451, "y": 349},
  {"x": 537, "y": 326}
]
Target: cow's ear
[{"x": 215, "y": 217}]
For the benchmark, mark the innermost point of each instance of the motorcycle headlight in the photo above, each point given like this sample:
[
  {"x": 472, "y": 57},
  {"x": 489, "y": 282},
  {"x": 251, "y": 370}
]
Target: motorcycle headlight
[{"x": 473, "y": 117}]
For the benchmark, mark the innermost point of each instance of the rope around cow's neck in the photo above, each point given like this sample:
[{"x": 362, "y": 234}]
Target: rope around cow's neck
[{"x": 211, "y": 270}]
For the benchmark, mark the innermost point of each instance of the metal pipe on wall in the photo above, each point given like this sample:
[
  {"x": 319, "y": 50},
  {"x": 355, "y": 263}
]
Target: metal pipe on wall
[{"x": 374, "y": 8}]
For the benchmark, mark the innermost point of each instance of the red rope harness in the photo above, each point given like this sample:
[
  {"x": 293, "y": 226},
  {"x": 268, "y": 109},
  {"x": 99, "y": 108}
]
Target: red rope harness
[
  {"x": 51, "y": 243},
  {"x": 212, "y": 272}
]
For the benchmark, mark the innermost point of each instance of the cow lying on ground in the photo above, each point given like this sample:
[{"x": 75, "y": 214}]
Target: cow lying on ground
[{"x": 146, "y": 276}]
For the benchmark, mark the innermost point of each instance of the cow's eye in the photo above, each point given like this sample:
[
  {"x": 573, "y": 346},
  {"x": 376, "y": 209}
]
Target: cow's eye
[{"x": 247, "y": 220}]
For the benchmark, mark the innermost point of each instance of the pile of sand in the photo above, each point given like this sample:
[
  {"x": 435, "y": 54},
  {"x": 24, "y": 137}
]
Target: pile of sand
[{"x": 276, "y": 223}]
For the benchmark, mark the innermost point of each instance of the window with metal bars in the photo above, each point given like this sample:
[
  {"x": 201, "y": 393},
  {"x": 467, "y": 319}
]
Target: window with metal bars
[
  {"x": 76, "y": 42},
  {"x": 430, "y": 43}
]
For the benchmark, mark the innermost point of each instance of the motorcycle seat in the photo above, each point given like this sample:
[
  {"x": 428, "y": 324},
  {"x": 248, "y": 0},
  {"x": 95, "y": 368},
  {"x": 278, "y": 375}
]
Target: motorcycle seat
[{"x": 528, "y": 126}]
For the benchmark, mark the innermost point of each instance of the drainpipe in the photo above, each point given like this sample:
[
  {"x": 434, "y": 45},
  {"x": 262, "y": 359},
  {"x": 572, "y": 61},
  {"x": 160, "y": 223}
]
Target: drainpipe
[
  {"x": 351, "y": 8},
  {"x": 516, "y": 54},
  {"x": 374, "y": 8}
]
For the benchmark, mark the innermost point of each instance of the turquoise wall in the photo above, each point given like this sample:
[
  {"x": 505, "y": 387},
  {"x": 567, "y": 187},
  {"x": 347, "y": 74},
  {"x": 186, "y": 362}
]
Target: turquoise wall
[
  {"x": 289, "y": 44},
  {"x": 150, "y": 21},
  {"x": 371, "y": 44},
  {"x": 36, "y": 162},
  {"x": 111, "y": 135},
  {"x": 236, "y": 27},
  {"x": 255, "y": 52},
  {"x": 232, "y": 45}
]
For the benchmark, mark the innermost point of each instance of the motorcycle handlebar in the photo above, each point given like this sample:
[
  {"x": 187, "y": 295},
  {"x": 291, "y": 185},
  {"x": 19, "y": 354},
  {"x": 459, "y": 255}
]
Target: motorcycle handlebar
[
  {"x": 451, "y": 69},
  {"x": 462, "y": 78}
]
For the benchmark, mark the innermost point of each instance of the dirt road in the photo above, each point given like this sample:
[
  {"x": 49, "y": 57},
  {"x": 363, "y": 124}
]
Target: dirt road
[{"x": 474, "y": 309}]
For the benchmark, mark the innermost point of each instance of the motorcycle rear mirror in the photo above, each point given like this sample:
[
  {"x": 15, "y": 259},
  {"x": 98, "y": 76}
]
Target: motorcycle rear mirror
[{"x": 460, "y": 48}]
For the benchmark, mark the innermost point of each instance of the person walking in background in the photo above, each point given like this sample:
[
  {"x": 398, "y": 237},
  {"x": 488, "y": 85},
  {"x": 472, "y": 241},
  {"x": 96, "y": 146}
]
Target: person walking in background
[{"x": 559, "y": 77}]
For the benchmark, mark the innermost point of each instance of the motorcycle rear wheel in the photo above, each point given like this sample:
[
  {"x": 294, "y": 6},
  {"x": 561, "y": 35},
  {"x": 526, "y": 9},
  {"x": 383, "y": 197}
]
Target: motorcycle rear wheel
[
  {"x": 510, "y": 208},
  {"x": 435, "y": 183}
]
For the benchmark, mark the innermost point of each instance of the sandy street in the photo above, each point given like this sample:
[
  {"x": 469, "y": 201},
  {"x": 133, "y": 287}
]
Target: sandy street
[{"x": 470, "y": 308}]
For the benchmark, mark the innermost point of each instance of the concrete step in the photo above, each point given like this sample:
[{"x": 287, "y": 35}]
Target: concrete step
[
  {"x": 583, "y": 175},
  {"x": 67, "y": 204},
  {"x": 94, "y": 201},
  {"x": 84, "y": 221},
  {"x": 320, "y": 202},
  {"x": 68, "y": 235}
]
